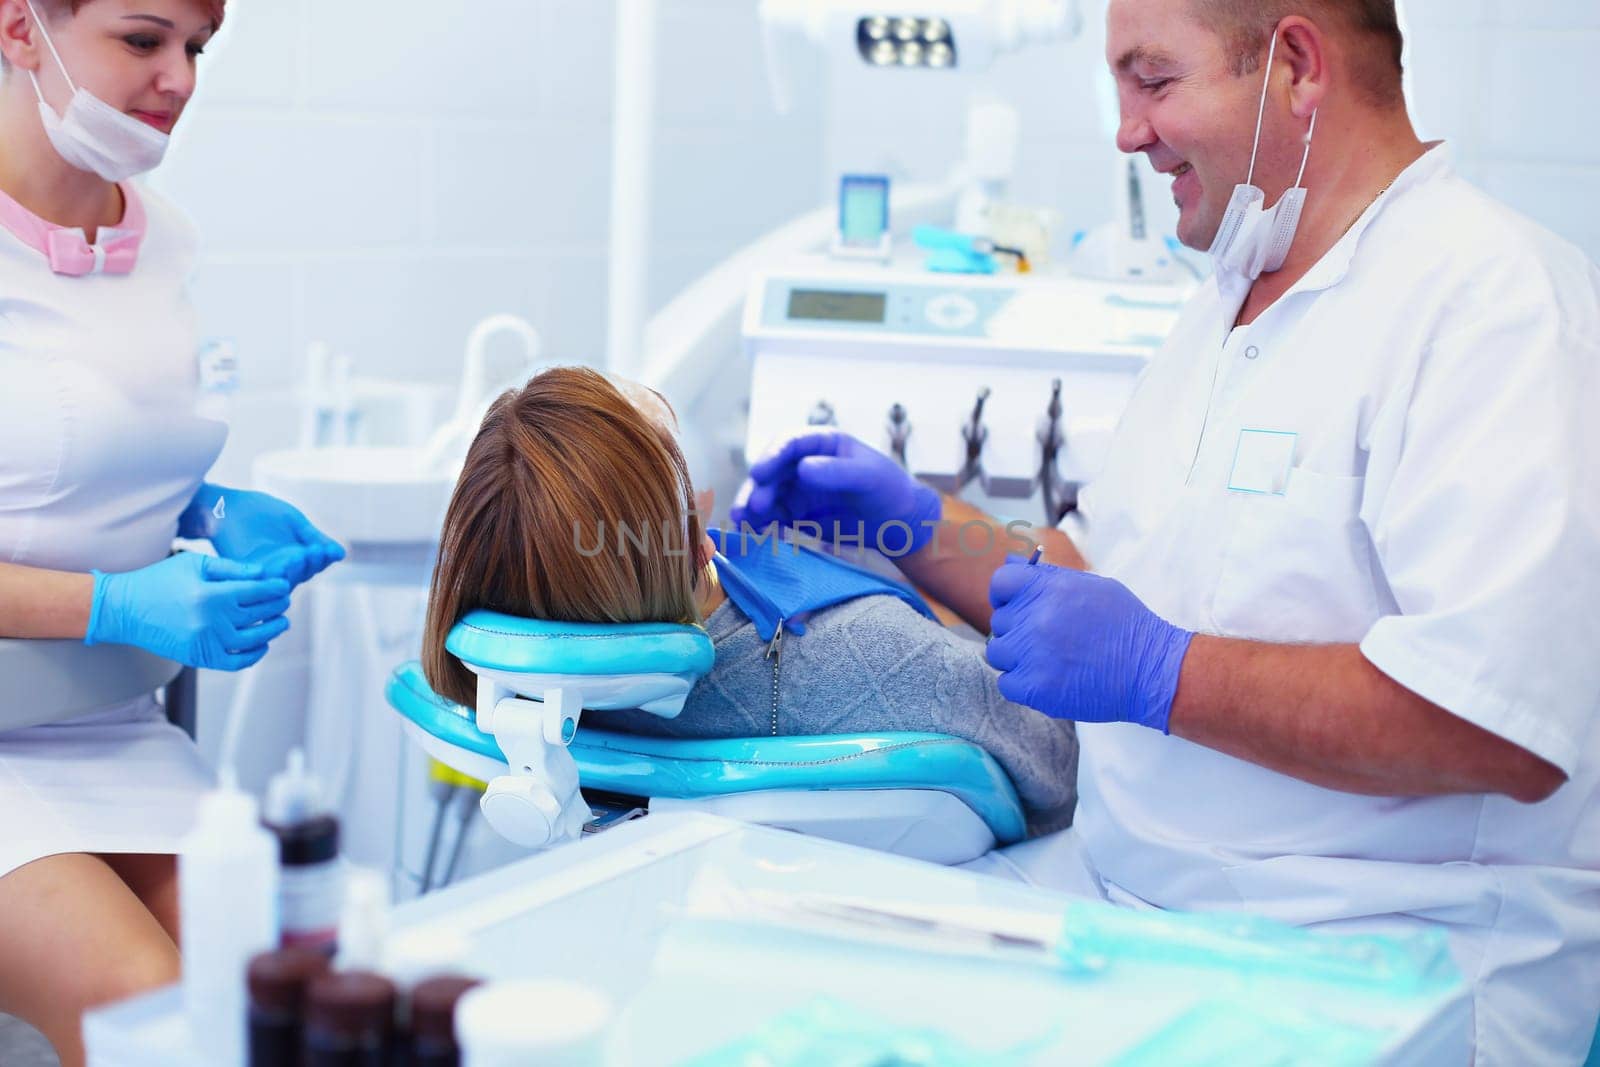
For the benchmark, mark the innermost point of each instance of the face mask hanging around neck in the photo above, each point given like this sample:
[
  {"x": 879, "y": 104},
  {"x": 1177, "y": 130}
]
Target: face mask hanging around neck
[
  {"x": 91, "y": 134},
  {"x": 1250, "y": 240}
]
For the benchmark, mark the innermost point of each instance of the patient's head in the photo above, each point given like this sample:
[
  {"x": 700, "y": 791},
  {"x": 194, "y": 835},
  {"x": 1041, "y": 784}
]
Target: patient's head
[{"x": 559, "y": 469}]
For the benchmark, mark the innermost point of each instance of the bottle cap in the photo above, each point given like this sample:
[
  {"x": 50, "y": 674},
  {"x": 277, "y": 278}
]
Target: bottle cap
[
  {"x": 294, "y": 794},
  {"x": 350, "y": 1004},
  {"x": 227, "y": 808},
  {"x": 310, "y": 841},
  {"x": 278, "y": 980}
]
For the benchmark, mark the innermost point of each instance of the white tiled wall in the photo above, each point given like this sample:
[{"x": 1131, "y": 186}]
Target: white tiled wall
[
  {"x": 1511, "y": 82},
  {"x": 381, "y": 175}
]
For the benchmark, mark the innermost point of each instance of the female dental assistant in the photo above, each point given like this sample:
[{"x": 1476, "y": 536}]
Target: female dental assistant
[{"x": 102, "y": 460}]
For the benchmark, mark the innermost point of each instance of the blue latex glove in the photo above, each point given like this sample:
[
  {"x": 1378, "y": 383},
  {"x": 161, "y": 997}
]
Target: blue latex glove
[
  {"x": 259, "y": 528},
  {"x": 1081, "y": 646},
  {"x": 199, "y": 610},
  {"x": 838, "y": 482}
]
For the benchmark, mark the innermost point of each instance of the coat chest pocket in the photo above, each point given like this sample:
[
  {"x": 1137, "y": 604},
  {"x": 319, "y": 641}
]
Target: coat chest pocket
[{"x": 1299, "y": 564}]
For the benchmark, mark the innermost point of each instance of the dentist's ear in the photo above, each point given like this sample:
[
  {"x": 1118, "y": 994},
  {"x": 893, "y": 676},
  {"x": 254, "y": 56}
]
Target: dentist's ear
[
  {"x": 705, "y": 503},
  {"x": 1305, "y": 47}
]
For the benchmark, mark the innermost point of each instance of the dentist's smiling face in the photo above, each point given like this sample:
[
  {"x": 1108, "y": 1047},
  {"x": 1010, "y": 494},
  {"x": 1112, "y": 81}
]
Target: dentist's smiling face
[
  {"x": 1183, "y": 107},
  {"x": 139, "y": 56}
]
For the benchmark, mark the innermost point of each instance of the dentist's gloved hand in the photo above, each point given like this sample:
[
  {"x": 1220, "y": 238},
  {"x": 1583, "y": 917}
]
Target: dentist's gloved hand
[
  {"x": 1080, "y": 646},
  {"x": 830, "y": 478},
  {"x": 259, "y": 528},
  {"x": 199, "y": 610}
]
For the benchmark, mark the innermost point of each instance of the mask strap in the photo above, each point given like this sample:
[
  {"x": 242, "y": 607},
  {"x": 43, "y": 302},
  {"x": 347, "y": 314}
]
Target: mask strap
[
  {"x": 50, "y": 45},
  {"x": 1260, "y": 112},
  {"x": 1313, "y": 129}
]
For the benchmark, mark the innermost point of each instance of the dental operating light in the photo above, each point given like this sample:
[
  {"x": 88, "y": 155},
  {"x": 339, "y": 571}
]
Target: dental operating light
[
  {"x": 938, "y": 35},
  {"x": 906, "y": 42}
]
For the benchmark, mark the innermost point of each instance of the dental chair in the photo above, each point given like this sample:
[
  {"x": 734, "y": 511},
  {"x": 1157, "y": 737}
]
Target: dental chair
[{"x": 928, "y": 796}]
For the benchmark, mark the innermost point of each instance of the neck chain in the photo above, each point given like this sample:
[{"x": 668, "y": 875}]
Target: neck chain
[{"x": 1357, "y": 218}]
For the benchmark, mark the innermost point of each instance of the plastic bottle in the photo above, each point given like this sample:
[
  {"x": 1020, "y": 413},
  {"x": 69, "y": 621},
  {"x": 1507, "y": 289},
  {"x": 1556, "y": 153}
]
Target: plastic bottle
[
  {"x": 228, "y": 891},
  {"x": 310, "y": 878},
  {"x": 278, "y": 983},
  {"x": 349, "y": 1016},
  {"x": 363, "y": 921},
  {"x": 550, "y": 1023}
]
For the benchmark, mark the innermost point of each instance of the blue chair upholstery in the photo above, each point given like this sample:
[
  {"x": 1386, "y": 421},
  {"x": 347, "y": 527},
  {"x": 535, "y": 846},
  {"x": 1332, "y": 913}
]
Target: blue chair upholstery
[
  {"x": 495, "y": 641},
  {"x": 699, "y": 769}
]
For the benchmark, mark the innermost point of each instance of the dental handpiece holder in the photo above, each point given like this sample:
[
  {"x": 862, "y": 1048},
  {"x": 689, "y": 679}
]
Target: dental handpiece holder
[{"x": 535, "y": 679}]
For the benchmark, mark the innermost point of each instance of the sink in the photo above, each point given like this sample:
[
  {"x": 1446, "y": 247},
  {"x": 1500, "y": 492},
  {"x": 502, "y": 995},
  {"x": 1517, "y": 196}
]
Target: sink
[{"x": 360, "y": 494}]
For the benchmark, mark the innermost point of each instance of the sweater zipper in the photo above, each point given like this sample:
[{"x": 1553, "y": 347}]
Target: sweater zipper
[{"x": 775, "y": 654}]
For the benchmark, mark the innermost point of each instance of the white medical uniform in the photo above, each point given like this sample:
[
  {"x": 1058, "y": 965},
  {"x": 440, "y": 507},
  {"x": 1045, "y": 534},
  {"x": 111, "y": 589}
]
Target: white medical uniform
[
  {"x": 1412, "y": 439},
  {"x": 100, "y": 451}
]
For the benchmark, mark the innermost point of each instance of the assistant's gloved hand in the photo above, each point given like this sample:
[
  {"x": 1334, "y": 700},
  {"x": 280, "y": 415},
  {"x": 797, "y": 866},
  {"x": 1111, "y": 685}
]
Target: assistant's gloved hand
[
  {"x": 259, "y": 528},
  {"x": 832, "y": 479},
  {"x": 1080, "y": 646},
  {"x": 199, "y": 610}
]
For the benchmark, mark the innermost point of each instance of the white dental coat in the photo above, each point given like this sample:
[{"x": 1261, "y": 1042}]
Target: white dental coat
[
  {"x": 100, "y": 451},
  {"x": 1440, "y": 506}
]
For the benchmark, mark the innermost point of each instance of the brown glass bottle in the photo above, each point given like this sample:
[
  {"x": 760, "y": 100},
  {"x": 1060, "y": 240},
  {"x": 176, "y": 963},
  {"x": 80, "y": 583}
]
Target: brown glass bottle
[
  {"x": 349, "y": 1019},
  {"x": 433, "y": 1008},
  {"x": 278, "y": 982}
]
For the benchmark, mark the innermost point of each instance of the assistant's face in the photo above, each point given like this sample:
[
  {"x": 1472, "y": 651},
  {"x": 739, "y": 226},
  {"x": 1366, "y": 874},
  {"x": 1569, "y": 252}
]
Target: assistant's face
[
  {"x": 1182, "y": 106},
  {"x": 139, "y": 56}
]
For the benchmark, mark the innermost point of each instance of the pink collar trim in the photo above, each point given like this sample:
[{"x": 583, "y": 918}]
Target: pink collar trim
[{"x": 67, "y": 249}]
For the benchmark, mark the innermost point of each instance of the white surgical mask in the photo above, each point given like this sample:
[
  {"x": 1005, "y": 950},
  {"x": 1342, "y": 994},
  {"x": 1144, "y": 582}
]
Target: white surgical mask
[
  {"x": 94, "y": 136},
  {"x": 1250, "y": 239}
]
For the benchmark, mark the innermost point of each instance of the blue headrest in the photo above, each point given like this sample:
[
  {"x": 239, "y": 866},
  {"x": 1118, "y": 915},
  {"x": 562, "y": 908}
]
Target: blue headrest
[{"x": 492, "y": 641}]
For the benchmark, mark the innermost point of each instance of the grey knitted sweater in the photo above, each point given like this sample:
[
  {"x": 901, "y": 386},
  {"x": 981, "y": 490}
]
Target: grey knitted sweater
[{"x": 869, "y": 665}]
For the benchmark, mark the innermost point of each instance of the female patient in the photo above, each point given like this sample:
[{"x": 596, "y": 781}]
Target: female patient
[{"x": 575, "y": 504}]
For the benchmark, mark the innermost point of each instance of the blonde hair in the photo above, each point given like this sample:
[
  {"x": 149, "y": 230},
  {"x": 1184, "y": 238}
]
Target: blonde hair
[{"x": 573, "y": 506}]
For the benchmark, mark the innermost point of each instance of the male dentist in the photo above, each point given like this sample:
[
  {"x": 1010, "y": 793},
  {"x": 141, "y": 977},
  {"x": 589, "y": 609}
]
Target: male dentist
[{"x": 1338, "y": 658}]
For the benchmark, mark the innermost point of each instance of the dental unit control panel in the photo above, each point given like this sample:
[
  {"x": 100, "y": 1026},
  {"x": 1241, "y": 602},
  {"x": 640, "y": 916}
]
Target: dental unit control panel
[{"x": 1012, "y": 382}]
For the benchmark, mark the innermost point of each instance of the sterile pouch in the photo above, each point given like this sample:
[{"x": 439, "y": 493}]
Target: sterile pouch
[
  {"x": 1229, "y": 1034},
  {"x": 1096, "y": 934},
  {"x": 827, "y": 1031}
]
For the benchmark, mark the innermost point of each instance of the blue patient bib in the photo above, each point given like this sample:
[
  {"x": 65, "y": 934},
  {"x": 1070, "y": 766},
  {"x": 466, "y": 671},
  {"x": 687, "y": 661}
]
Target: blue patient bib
[{"x": 772, "y": 580}]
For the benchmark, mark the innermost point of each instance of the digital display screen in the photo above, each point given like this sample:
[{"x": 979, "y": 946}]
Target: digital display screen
[
  {"x": 824, "y": 305},
  {"x": 863, "y": 210}
]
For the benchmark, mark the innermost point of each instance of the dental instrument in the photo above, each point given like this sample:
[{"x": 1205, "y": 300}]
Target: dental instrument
[{"x": 926, "y": 342}]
